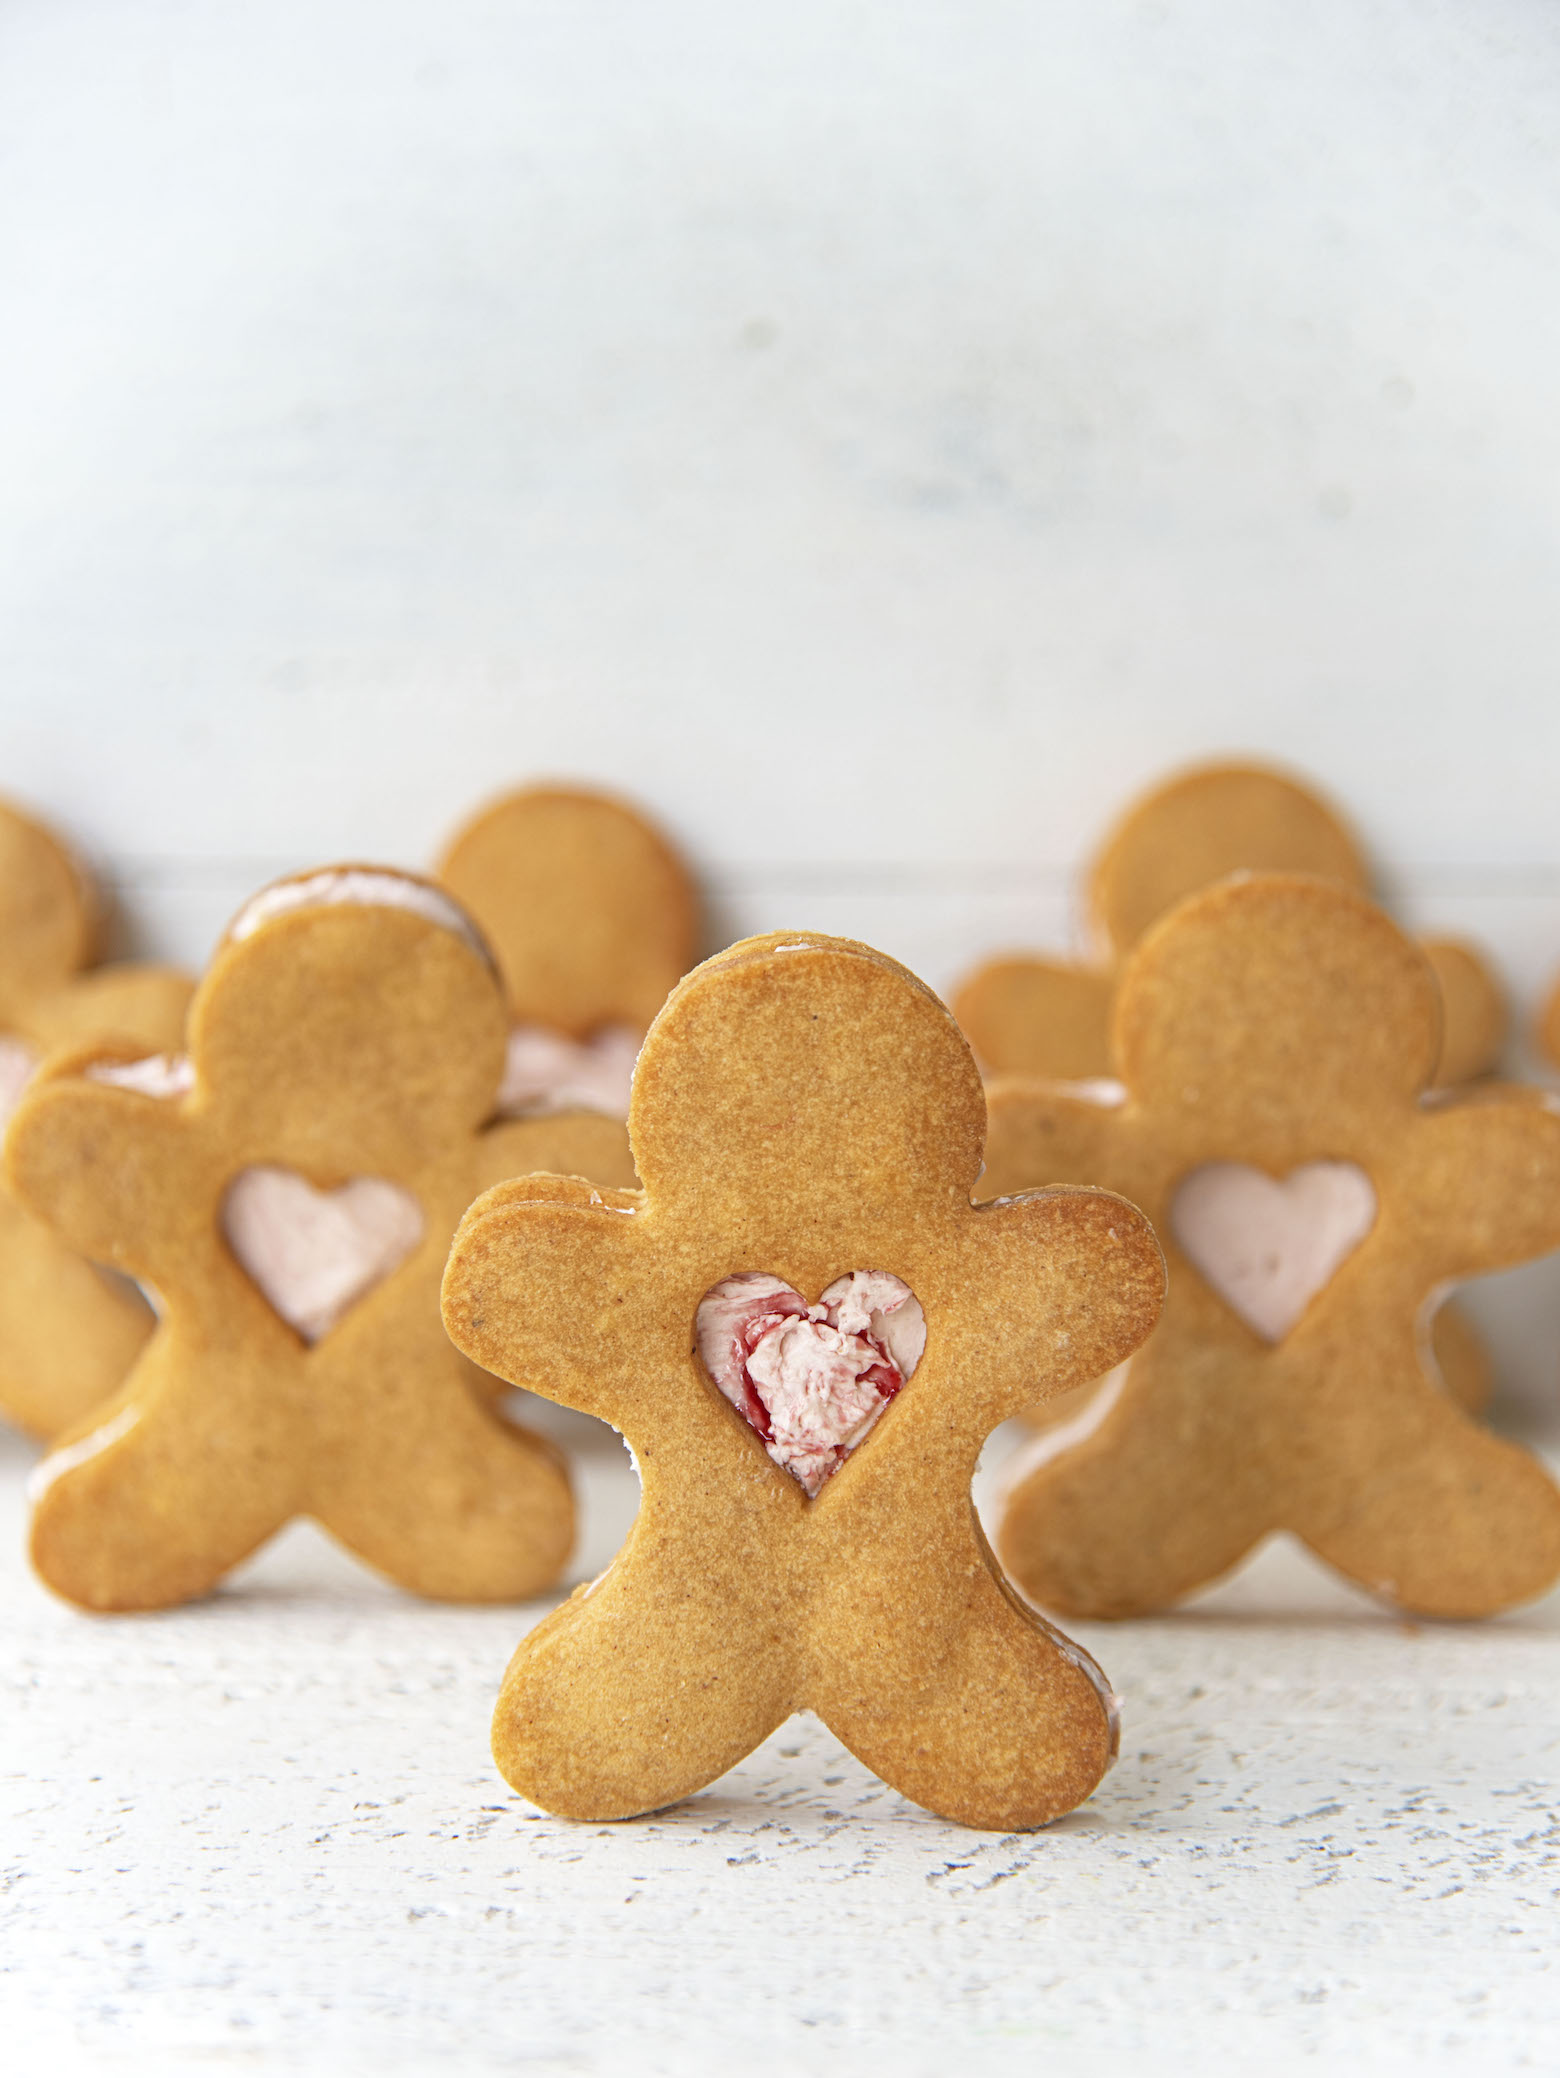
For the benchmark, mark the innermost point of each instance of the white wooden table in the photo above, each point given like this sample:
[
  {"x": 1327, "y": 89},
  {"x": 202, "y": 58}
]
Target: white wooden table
[{"x": 265, "y": 1834}]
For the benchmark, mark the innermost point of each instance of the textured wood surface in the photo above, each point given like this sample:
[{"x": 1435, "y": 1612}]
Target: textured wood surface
[{"x": 265, "y": 1833}]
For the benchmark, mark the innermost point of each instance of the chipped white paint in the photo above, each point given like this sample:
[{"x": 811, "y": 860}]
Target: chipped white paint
[{"x": 265, "y": 1834}]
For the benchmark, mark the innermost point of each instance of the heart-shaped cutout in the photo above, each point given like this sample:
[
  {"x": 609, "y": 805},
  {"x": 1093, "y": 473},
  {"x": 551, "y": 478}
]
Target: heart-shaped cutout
[
  {"x": 1268, "y": 1245},
  {"x": 811, "y": 1380},
  {"x": 315, "y": 1253}
]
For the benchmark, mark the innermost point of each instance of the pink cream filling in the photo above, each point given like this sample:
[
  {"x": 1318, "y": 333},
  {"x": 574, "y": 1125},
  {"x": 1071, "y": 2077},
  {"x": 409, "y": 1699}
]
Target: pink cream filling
[
  {"x": 315, "y": 1253},
  {"x": 1268, "y": 1244},
  {"x": 17, "y": 1062},
  {"x": 811, "y": 1380},
  {"x": 545, "y": 1072}
]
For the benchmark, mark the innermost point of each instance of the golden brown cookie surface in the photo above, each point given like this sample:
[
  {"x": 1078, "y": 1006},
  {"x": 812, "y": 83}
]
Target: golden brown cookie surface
[
  {"x": 1203, "y": 824},
  {"x": 1031, "y": 1016},
  {"x": 68, "y": 1334},
  {"x": 289, "y": 1192},
  {"x": 806, "y": 1116},
  {"x": 1275, "y": 1037},
  {"x": 1474, "y": 1013},
  {"x": 1547, "y": 1026},
  {"x": 1459, "y": 1363},
  {"x": 591, "y": 914}
]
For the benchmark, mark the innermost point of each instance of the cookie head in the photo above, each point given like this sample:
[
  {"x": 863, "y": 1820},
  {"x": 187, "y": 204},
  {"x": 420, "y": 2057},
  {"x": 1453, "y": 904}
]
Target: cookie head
[
  {"x": 1272, "y": 996},
  {"x": 1026, "y": 1016},
  {"x": 347, "y": 1002},
  {"x": 46, "y": 911},
  {"x": 1210, "y": 822},
  {"x": 591, "y": 915},
  {"x": 802, "y": 1060}
]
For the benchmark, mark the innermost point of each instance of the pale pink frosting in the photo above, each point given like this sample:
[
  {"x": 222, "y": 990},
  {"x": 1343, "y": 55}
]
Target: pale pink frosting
[
  {"x": 157, "y": 1075},
  {"x": 546, "y": 1072},
  {"x": 1268, "y": 1246},
  {"x": 812, "y": 1380},
  {"x": 315, "y": 1253},
  {"x": 17, "y": 1062},
  {"x": 373, "y": 886}
]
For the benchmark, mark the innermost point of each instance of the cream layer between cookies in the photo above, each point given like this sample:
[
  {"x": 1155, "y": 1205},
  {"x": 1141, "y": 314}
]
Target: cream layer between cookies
[
  {"x": 17, "y": 1062},
  {"x": 545, "y": 1072},
  {"x": 374, "y": 886},
  {"x": 811, "y": 1380}
]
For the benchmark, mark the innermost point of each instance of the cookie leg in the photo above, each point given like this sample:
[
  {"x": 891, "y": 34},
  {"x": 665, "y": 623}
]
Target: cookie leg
[
  {"x": 1431, "y": 1511},
  {"x": 155, "y": 1503},
  {"x": 1158, "y": 1500},
  {"x": 993, "y": 1719},
  {"x": 461, "y": 1506},
  {"x": 624, "y": 1700}
]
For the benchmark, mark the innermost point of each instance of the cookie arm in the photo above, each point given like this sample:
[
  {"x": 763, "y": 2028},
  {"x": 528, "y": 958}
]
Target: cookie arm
[
  {"x": 1061, "y": 1286},
  {"x": 1029, "y": 1016},
  {"x": 97, "y": 1165},
  {"x": 130, "y": 1004},
  {"x": 1482, "y": 1184},
  {"x": 550, "y": 1291},
  {"x": 1037, "y": 1135},
  {"x": 568, "y": 1144}
]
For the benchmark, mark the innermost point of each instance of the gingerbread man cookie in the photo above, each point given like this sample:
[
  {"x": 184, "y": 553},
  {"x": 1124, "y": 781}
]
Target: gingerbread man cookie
[
  {"x": 1029, "y": 1016},
  {"x": 289, "y": 1190},
  {"x": 1275, "y": 1036},
  {"x": 68, "y": 1334},
  {"x": 805, "y": 1330},
  {"x": 593, "y": 919}
]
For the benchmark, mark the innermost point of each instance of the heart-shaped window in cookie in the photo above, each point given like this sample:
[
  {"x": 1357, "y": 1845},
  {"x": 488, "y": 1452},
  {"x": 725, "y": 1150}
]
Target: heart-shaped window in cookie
[
  {"x": 1268, "y": 1245},
  {"x": 315, "y": 1253},
  {"x": 811, "y": 1380}
]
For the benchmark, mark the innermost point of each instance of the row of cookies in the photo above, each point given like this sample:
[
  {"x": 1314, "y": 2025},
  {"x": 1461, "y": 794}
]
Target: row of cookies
[
  {"x": 804, "y": 1113},
  {"x": 591, "y": 917},
  {"x": 587, "y": 916},
  {"x": 1300, "y": 1099},
  {"x": 807, "y": 1120}
]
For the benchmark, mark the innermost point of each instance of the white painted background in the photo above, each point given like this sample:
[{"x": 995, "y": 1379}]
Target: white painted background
[
  {"x": 882, "y": 436},
  {"x": 879, "y": 434}
]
